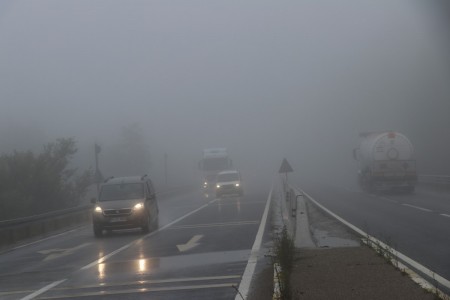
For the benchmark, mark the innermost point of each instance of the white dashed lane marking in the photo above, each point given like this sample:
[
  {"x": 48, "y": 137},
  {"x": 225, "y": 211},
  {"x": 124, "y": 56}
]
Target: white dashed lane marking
[{"x": 418, "y": 207}]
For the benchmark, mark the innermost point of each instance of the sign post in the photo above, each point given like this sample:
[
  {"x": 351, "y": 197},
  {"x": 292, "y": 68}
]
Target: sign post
[
  {"x": 285, "y": 168},
  {"x": 98, "y": 174}
]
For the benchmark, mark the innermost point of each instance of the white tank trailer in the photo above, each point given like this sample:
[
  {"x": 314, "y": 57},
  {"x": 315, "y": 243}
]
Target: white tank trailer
[{"x": 385, "y": 162}]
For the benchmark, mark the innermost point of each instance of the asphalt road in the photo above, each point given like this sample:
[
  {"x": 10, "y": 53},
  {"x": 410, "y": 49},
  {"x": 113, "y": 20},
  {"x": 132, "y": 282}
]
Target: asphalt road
[
  {"x": 417, "y": 225},
  {"x": 199, "y": 252}
]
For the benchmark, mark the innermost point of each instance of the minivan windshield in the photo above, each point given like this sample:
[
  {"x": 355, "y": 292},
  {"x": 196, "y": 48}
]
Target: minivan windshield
[
  {"x": 228, "y": 177},
  {"x": 112, "y": 192}
]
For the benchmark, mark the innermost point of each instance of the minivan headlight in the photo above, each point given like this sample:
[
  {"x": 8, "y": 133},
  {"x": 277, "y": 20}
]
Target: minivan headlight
[
  {"x": 237, "y": 184},
  {"x": 218, "y": 186},
  {"x": 138, "y": 206},
  {"x": 98, "y": 209}
]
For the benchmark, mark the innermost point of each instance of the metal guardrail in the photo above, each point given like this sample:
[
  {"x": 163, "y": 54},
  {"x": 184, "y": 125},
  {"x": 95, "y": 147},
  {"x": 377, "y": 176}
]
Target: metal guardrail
[
  {"x": 12, "y": 231},
  {"x": 44, "y": 216}
]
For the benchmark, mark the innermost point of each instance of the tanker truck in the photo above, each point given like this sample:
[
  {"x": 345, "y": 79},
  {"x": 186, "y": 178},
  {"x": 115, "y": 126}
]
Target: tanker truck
[{"x": 385, "y": 162}]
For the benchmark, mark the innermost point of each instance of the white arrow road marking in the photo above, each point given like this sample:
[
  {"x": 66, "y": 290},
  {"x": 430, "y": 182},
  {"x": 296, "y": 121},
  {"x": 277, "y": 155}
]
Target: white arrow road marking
[
  {"x": 191, "y": 244},
  {"x": 56, "y": 253}
]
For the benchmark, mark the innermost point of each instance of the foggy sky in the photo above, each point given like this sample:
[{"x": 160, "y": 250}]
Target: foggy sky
[{"x": 267, "y": 80}]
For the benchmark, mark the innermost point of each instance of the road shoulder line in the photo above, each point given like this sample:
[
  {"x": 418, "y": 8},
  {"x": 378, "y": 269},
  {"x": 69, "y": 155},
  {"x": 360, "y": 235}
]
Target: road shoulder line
[{"x": 244, "y": 286}]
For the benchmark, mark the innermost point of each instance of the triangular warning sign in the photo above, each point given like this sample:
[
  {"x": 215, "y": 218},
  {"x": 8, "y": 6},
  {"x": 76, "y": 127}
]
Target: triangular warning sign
[{"x": 285, "y": 167}]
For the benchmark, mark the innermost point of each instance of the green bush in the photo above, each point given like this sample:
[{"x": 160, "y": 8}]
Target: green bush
[{"x": 32, "y": 184}]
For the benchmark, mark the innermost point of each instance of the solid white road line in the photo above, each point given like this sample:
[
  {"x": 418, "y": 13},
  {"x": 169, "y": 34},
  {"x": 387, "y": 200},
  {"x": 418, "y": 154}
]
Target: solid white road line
[
  {"x": 244, "y": 286},
  {"x": 146, "y": 290},
  {"x": 214, "y": 225},
  {"x": 43, "y": 290},
  {"x": 445, "y": 215},
  {"x": 143, "y": 283}
]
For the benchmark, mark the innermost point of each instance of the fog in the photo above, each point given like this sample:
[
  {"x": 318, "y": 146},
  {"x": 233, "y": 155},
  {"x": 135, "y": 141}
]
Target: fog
[{"x": 265, "y": 79}]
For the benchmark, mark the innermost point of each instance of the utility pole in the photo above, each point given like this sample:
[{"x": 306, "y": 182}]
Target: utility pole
[{"x": 98, "y": 174}]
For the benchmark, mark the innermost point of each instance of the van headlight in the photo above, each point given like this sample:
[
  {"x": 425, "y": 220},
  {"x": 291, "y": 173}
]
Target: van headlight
[
  {"x": 98, "y": 209},
  {"x": 138, "y": 206}
]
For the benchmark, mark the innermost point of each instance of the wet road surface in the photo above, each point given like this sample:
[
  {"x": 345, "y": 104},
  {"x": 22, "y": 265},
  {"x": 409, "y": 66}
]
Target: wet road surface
[{"x": 199, "y": 252}]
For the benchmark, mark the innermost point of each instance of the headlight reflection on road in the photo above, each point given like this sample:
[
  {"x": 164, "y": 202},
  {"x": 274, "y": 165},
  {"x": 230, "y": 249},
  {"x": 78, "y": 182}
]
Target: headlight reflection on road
[
  {"x": 142, "y": 265},
  {"x": 101, "y": 266},
  {"x": 101, "y": 271}
]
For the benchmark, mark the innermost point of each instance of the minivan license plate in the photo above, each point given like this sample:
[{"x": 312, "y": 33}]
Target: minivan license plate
[{"x": 118, "y": 219}]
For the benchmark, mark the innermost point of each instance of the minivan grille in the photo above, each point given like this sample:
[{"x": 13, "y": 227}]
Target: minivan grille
[{"x": 117, "y": 212}]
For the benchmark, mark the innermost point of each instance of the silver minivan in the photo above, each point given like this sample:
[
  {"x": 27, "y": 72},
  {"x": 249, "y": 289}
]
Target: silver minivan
[{"x": 125, "y": 202}]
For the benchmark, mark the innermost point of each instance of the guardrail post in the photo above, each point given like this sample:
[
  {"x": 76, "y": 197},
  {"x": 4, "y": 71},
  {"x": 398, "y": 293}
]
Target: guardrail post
[{"x": 294, "y": 205}]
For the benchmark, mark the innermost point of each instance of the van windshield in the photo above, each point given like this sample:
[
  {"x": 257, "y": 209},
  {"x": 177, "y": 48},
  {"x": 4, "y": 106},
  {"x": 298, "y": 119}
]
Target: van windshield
[
  {"x": 228, "y": 177},
  {"x": 112, "y": 192}
]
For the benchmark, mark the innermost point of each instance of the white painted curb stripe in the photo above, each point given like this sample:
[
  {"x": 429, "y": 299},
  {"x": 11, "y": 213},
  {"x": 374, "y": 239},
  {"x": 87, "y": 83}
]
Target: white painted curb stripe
[
  {"x": 276, "y": 282},
  {"x": 244, "y": 286}
]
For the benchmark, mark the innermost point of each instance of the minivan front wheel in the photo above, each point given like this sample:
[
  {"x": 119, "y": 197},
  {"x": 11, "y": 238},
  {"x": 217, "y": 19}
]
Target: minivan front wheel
[
  {"x": 155, "y": 224},
  {"x": 147, "y": 225},
  {"x": 98, "y": 231}
]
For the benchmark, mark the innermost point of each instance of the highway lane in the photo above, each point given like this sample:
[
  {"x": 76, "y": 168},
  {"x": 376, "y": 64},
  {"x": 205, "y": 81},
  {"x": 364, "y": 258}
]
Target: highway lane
[
  {"x": 416, "y": 224},
  {"x": 200, "y": 252}
]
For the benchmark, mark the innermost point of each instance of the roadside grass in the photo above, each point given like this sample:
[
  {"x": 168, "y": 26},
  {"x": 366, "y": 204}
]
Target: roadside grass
[{"x": 283, "y": 260}]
